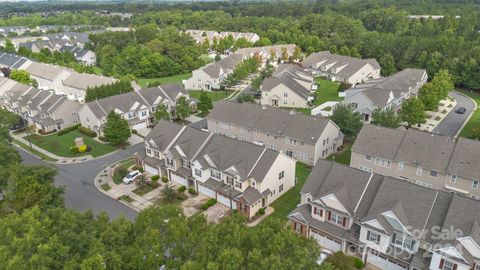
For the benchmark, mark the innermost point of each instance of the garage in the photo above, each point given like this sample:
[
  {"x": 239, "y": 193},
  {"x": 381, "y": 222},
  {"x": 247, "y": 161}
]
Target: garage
[
  {"x": 178, "y": 179},
  {"x": 206, "y": 191},
  {"x": 151, "y": 170},
  {"x": 384, "y": 262},
  {"x": 327, "y": 242},
  {"x": 141, "y": 125},
  {"x": 226, "y": 201}
]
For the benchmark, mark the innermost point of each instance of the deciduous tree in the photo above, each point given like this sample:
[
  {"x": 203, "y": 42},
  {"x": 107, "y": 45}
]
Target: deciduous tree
[
  {"x": 413, "y": 112},
  {"x": 116, "y": 129},
  {"x": 386, "y": 118},
  {"x": 348, "y": 120}
]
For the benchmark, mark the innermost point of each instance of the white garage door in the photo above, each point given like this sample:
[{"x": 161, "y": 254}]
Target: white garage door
[
  {"x": 383, "y": 262},
  {"x": 141, "y": 125},
  {"x": 327, "y": 242},
  {"x": 178, "y": 179},
  {"x": 226, "y": 201},
  {"x": 206, "y": 191},
  {"x": 151, "y": 170}
]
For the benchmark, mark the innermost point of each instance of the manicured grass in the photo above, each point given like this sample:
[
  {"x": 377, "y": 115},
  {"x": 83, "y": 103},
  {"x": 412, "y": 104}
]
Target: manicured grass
[
  {"x": 106, "y": 187},
  {"x": 213, "y": 95},
  {"x": 126, "y": 198},
  {"x": 33, "y": 151},
  {"x": 60, "y": 145},
  {"x": 140, "y": 191},
  {"x": 164, "y": 80},
  {"x": 475, "y": 119},
  {"x": 326, "y": 91},
  {"x": 288, "y": 201},
  {"x": 345, "y": 154}
]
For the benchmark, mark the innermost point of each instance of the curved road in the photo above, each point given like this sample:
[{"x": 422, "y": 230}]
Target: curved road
[
  {"x": 452, "y": 123},
  {"x": 78, "y": 181}
]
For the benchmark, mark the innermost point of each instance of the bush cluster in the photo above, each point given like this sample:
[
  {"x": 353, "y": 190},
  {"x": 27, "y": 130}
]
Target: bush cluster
[
  {"x": 192, "y": 191},
  {"x": 155, "y": 178},
  {"x": 87, "y": 131},
  {"x": 164, "y": 179},
  {"x": 261, "y": 212},
  {"x": 82, "y": 149},
  {"x": 209, "y": 204},
  {"x": 68, "y": 129},
  {"x": 182, "y": 189}
]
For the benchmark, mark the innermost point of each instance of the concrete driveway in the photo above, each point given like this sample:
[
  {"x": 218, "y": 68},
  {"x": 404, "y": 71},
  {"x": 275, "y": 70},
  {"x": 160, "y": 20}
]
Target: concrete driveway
[
  {"x": 216, "y": 212},
  {"x": 192, "y": 205},
  {"x": 453, "y": 122}
]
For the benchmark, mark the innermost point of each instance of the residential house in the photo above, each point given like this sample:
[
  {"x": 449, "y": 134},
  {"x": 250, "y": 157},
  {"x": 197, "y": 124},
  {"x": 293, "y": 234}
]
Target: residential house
[
  {"x": 388, "y": 223},
  {"x": 201, "y": 35},
  {"x": 12, "y": 61},
  {"x": 43, "y": 109},
  {"x": 138, "y": 107},
  {"x": 289, "y": 86},
  {"x": 423, "y": 158},
  {"x": 48, "y": 76},
  {"x": 304, "y": 138},
  {"x": 85, "y": 56},
  {"x": 75, "y": 85},
  {"x": 211, "y": 76},
  {"x": 385, "y": 93},
  {"x": 238, "y": 174},
  {"x": 341, "y": 68},
  {"x": 269, "y": 53}
]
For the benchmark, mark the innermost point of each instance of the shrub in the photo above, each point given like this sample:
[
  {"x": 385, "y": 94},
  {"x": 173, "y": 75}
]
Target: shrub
[
  {"x": 136, "y": 167},
  {"x": 181, "y": 196},
  {"x": 121, "y": 171},
  {"x": 74, "y": 150},
  {"x": 204, "y": 206},
  {"x": 357, "y": 262},
  {"x": 103, "y": 139},
  {"x": 261, "y": 212},
  {"x": 68, "y": 129},
  {"x": 164, "y": 179},
  {"x": 192, "y": 191},
  {"x": 155, "y": 178},
  {"x": 82, "y": 149},
  {"x": 211, "y": 202},
  {"x": 134, "y": 131},
  {"x": 87, "y": 131},
  {"x": 141, "y": 169},
  {"x": 181, "y": 189}
]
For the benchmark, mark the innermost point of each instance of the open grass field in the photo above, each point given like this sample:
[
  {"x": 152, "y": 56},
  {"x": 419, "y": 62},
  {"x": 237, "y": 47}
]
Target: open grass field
[
  {"x": 213, "y": 95},
  {"x": 475, "y": 119},
  {"x": 326, "y": 91},
  {"x": 164, "y": 80}
]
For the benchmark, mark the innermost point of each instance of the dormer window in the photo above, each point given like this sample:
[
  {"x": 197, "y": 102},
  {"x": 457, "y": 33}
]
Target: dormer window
[
  {"x": 373, "y": 237},
  {"x": 453, "y": 179},
  {"x": 336, "y": 218},
  {"x": 402, "y": 241}
]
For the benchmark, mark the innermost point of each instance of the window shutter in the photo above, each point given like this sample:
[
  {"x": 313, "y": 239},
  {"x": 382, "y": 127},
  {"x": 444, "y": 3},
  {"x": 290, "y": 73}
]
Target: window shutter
[
  {"x": 378, "y": 239},
  {"x": 315, "y": 210},
  {"x": 344, "y": 221},
  {"x": 321, "y": 212},
  {"x": 329, "y": 215},
  {"x": 368, "y": 235},
  {"x": 455, "y": 267},
  {"x": 442, "y": 261}
]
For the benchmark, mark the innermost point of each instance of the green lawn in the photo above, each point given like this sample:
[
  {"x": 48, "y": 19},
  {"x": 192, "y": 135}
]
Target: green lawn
[
  {"x": 33, "y": 151},
  {"x": 344, "y": 155},
  {"x": 288, "y": 201},
  {"x": 60, "y": 145},
  {"x": 213, "y": 95},
  {"x": 326, "y": 91},
  {"x": 165, "y": 80},
  {"x": 140, "y": 191},
  {"x": 475, "y": 119}
]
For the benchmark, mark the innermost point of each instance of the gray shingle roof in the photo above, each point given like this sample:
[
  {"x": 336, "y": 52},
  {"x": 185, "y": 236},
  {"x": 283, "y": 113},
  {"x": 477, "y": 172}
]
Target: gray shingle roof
[
  {"x": 271, "y": 120},
  {"x": 228, "y": 63},
  {"x": 166, "y": 91},
  {"x": 123, "y": 102},
  {"x": 352, "y": 65},
  {"x": 465, "y": 159},
  {"x": 163, "y": 133},
  {"x": 11, "y": 60},
  {"x": 290, "y": 81},
  {"x": 45, "y": 71},
  {"x": 83, "y": 80}
]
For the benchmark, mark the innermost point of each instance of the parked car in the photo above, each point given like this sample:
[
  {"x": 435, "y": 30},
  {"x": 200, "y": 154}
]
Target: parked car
[
  {"x": 132, "y": 176},
  {"x": 323, "y": 256},
  {"x": 461, "y": 110}
]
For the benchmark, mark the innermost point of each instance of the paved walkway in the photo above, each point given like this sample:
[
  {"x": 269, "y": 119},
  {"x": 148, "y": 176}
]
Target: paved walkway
[
  {"x": 268, "y": 211},
  {"x": 437, "y": 117}
]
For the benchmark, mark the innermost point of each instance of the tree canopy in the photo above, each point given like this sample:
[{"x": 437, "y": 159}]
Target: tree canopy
[
  {"x": 349, "y": 121},
  {"x": 116, "y": 129},
  {"x": 413, "y": 112}
]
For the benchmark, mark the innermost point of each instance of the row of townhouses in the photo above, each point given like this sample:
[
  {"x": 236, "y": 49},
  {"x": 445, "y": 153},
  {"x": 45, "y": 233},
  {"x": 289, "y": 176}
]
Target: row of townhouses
[
  {"x": 63, "y": 81},
  {"x": 389, "y": 223},
  {"x": 289, "y": 86},
  {"x": 84, "y": 56},
  {"x": 423, "y": 158},
  {"x": 238, "y": 174},
  {"x": 201, "y": 35},
  {"x": 304, "y": 138},
  {"x": 43, "y": 109},
  {"x": 342, "y": 68},
  {"x": 138, "y": 107},
  {"x": 385, "y": 93}
]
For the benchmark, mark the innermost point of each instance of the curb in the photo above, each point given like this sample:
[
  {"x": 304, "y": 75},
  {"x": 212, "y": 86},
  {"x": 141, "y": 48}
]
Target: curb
[{"x": 470, "y": 116}]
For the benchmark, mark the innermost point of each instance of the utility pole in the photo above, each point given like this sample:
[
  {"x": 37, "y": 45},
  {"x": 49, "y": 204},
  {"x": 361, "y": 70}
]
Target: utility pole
[{"x": 26, "y": 129}]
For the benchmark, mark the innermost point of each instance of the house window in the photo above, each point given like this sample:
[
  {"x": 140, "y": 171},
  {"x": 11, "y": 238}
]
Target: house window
[
  {"x": 447, "y": 265},
  {"x": 216, "y": 174},
  {"x": 170, "y": 162},
  {"x": 198, "y": 172},
  {"x": 280, "y": 188},
  {"x": 368, "y": 157},
  {"x": 373, "y": 237},
  {"x": 229, "y": 180},
  {"x": 453, "y": 179},
  {"x": 285, "y": 94},
  {"x": 335, "y": 218},
  {"x": 298, "y": 227},
  {"x": 238, "y": 185},
  {"x": 281, "y": 175},
  {"x": 389, "y": 164},
  {"x": 185, "y": 163},
  {"x": 475, "y": 184},
  {"x": 131, "y": 114},
  {"x": 144, "y": 113},
  {"x": 149, "y": 151},
  {"x": 419, "y": 170},
  {"x": 400, "y": 166},
  {"x": 354, "y": 105},
  {"x": 433, "y": 173},
  {"x": 157, "y": 154},
  {"x": 403, "y": 241}
]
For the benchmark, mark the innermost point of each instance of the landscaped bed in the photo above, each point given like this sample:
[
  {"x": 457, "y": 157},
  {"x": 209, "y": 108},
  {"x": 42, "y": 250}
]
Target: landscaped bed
[
  {"x": 140, "y": 191},
  {"x": 121, "y": 170},
  {"x": 60, "y": 145}
]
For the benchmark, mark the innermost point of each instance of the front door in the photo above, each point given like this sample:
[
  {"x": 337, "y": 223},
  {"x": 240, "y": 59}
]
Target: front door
[
  {"x": 274, "y": 102},
  {"x": 289, "y": 153}
]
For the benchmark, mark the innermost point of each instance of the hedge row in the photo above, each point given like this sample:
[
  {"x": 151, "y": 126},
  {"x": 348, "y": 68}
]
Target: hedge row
[
  {"x": 68, "y": 129},
  {"x": 87, "y": 131}
]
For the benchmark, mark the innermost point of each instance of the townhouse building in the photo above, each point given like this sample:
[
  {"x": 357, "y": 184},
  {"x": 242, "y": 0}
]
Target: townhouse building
[
  {"x": 238, "y": 174},
  {"x": 269, "y": 53},
  {"x": 138, "y": 107},
  {"x": 304, "y": 138},
  {"x": 388, "y": 223},
  {"x": 385, "y": 93},
  {"x": 341, "y": 68},
  {"x": 427, "y": 159},
  {"x": 289, "y": 86},
  {"x": 200, "y": 36},
  {"x": 45, "y": 110}
]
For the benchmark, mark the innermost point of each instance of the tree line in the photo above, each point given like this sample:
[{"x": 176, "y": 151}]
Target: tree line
[{"x": 107, "y": 90}]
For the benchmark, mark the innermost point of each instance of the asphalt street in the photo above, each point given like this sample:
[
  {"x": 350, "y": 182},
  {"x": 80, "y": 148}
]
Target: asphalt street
[
  {"x": 78, "y": 181},
  {"x": 452, "y": 123}
]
